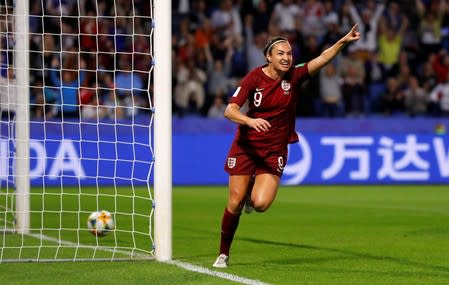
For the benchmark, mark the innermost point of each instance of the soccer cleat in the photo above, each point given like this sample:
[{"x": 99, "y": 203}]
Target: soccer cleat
[
  {"x": 222, "y": 261},
  {"x": 248, "y": 208}
]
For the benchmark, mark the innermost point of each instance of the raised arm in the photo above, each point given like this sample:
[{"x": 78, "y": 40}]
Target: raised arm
[
  {"x": 355, "y": 16},
  {"x": 328, "y": 54},
  {"x": 249, "y": 32},
  {"x": 420, "y": 8},
  {"x": 54, "y": 75},
  {"x": 378, "y": 13}
]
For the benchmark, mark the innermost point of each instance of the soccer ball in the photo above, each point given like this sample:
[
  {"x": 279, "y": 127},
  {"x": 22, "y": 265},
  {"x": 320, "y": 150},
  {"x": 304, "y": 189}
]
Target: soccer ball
[{"x": 100, "y": 223}]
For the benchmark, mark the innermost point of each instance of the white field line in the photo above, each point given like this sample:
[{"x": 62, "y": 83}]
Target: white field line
[
  {"x": 74, "y": 244},
  {"x": 184, "y": 265},
  {"x": 223, "y": 275}
]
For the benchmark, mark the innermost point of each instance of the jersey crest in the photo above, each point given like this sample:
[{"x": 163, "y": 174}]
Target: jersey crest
[
  {"x": 231, "y": 162},
  {"x": 286, "y": 86}
]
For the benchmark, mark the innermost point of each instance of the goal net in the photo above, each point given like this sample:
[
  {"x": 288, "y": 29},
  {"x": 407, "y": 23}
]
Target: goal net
[{"x": 76, "y": 129}]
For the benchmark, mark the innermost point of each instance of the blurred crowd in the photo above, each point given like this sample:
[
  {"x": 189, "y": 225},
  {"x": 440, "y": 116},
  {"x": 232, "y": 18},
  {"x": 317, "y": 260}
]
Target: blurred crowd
[
  {"x": 92, "y": 58},
  {"x": 400, "y": 66}
]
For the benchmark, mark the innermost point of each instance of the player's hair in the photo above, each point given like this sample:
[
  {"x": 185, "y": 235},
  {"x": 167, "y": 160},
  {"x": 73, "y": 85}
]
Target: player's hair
[{"x": 271, "y": 42}]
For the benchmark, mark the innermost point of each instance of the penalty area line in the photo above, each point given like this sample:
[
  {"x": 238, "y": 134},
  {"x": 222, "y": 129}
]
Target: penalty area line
[{"x": 223, "y": 275}]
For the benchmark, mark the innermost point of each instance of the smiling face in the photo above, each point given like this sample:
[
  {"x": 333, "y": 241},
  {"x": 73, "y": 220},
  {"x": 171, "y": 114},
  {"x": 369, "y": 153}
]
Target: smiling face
[{"x": 280, "y": 57}]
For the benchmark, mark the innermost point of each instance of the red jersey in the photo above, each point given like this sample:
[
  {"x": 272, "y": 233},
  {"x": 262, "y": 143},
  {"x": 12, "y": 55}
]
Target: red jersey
[{"x": 274, "y": 101}]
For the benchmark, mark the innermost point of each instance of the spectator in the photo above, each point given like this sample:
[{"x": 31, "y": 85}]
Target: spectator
[
  {"x": 239, "y": 64},
  {"x": 37, "y": 101},
  {"x": 106, "y": 49},
  {"x": 199, "y": 13},
  {"x": 375, "y": 80},
  {"x": 390, "y": 44},
  {"x": 50, "y": 100},
  {"x": 440, "y": 64},
  {"x": 218, "y": 46},
  {"x": 129, "y": 85},
  {"x": 226, "y": 19},
  {"x": 218, "y": 72},
  {"x": 416, "y": 99},
  {"x": 59, "y": 8},
  {"x": 332, "y": 27},
  {"x": 311, "y": 89},
  {"x": 393, "y": 99},
  {"x": 393, "y": 17},
  {"x": 183, "y": 7},
  {"x": 330, "y": 15},
  {"x": 189, "y": 88},
  {"x": 68, "y": 38},
  {"x": 404, "y": 75},
  {"x": 35, "y": 17},
  {"x": 218, "y": 107},
  {"x": 261, "y": 16},
  {"x": 123, "y": 27},
  {"x": 254, "y": 44},
  {"x": 352, "y": 70},
  {"x": 440, "y": 98},
  {"x": 89, "y": 31},
  {"x": 50, "y": 51},
  {"x": 428, "y": 77},
  {"x": 113, "y": 109},
  {"x": 330, "y": 92},
  {"x": 203, "y": 34},
  {"x": 430, "y": 22},
  {"x": 7, "y": 92},
  {"x": 368, "y": 23},
  {"x": 344, "y": 16},
  {"x": 142, "y": 55},
  {"x": 185, "y": 41},
  {"x": 285, "y": 15},
  {"x": 312, "y": 20},
  {"x": 93, "y": 110},
  {"x": 68, "y": 83}
]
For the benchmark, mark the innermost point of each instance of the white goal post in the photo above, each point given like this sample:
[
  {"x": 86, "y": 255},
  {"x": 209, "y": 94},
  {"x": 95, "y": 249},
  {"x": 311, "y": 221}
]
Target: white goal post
[
  {"x": 85, "y": 98},
  {"x": 22, "y": 127},
  {"x": 163, "y": 130}
]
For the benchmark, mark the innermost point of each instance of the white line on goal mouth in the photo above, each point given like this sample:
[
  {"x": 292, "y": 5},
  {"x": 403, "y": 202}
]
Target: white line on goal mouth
[
  {"x": 131, "y": 254},
  {"x": 181, "y": 264}
]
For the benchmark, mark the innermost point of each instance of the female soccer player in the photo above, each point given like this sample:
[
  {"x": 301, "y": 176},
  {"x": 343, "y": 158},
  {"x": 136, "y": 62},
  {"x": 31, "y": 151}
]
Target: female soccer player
[{"x": 257, "y": 157}]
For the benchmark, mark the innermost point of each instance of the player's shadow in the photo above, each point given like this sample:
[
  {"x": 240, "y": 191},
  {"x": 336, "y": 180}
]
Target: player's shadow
[
  {"x": 348, "y": 254},
  {"x": 342, "y": 254}
]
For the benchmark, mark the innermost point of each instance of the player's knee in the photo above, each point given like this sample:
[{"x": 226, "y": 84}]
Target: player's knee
[
  {"x": 235, "y": 205},
  {"x": 261, "y": 206},
  {"x": 260, "y": 210}
]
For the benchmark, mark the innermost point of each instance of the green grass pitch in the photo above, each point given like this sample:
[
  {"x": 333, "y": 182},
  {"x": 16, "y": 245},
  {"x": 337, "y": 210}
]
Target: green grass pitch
[{"x": 311, "y": 235}]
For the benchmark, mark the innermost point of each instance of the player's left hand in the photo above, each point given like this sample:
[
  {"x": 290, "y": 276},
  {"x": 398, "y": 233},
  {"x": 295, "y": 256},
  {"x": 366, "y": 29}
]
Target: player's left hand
[{"x": 259, "y": 124}]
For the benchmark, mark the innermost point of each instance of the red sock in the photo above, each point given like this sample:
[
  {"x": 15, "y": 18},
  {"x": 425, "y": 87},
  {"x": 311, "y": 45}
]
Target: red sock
[{"x": 229, "y": 225}]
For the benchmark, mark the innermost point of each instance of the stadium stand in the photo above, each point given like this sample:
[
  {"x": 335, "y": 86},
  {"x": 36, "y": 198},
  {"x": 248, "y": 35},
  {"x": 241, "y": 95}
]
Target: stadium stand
[{"x": 393, "y": 70}]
